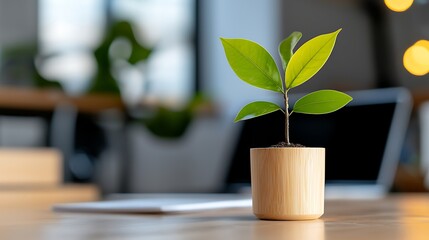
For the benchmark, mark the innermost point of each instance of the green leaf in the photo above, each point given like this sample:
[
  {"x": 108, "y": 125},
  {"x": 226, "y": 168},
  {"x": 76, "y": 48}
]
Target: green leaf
[
  {"x": 286, "y": 47},
  {"x": 256, "y": 109},
  {"x": 309, "y": 59},
  {"x": 252, "y": 64},
  {"x": 321, "y": 102}
]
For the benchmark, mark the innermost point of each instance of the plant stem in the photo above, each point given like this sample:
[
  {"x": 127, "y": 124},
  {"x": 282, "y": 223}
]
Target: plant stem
[{"x": 286, "y": 118}]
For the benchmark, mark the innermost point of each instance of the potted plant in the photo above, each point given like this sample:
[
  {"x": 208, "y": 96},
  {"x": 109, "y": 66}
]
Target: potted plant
[{"x": 287, "y": 179}]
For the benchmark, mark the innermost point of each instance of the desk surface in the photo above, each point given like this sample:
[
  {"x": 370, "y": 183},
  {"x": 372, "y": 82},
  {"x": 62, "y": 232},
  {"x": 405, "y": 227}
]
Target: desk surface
[{"x": 396, "y": 217}]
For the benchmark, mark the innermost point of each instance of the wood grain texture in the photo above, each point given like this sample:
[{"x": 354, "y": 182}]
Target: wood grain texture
[
  {"x": 397, "y": 217},
  {"x": 288, "y": 183}
]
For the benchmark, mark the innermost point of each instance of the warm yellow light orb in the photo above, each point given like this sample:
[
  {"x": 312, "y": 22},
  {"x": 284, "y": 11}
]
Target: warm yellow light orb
[
  {"x": 416, "y": 60},
  {"x": 421, "y": 56},
  {"x": 423, "y": 43},
  {"x": 398, "y": 5}
]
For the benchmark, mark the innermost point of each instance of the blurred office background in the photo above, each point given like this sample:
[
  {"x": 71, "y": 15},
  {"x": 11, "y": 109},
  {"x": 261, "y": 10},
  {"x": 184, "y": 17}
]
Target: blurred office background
[{"x": 138, "y": 97}]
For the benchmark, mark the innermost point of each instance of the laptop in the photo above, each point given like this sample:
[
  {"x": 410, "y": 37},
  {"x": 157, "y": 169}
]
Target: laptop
[{"x": 363, "y": 142}]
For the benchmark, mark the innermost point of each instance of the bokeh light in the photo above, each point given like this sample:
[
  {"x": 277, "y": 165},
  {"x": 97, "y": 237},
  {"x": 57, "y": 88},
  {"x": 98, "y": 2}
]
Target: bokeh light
[
  {"x": 398, "y": 5},
  {"x": 416, "y": 58}
]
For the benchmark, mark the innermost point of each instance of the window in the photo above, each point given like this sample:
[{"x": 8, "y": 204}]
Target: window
[{"x": 71, "y": 30}]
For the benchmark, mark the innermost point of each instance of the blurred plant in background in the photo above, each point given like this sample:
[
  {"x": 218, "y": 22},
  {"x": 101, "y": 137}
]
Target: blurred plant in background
[
  {"x": 170, "y": 123},
  {"x": 104, "y": 81}
]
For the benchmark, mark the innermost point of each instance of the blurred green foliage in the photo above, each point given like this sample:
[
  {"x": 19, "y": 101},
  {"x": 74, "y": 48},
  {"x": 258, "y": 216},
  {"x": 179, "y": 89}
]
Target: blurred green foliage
[
  {"x": 170, "y": 123},
  {"x": 103, "y": 80}
]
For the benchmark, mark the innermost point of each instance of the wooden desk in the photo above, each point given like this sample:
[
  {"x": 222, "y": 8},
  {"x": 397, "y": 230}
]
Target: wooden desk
[
  {"x": 22, "y": 99},
  {"x": 396, "y": 217}
]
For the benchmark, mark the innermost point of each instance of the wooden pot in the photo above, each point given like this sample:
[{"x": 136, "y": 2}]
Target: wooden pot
[{"x": 288, "y": 183}]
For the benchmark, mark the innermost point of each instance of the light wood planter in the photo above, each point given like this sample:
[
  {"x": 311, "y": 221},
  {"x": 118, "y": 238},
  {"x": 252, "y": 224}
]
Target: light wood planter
[{"x": 288, "y": 183}]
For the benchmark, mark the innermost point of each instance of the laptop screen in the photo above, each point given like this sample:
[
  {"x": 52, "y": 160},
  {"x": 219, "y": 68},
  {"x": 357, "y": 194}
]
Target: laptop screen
[{"x": 355, "y": 139}]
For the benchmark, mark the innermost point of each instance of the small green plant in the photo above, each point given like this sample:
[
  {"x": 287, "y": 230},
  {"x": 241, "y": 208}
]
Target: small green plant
[{"x": 254, "y": 65}]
